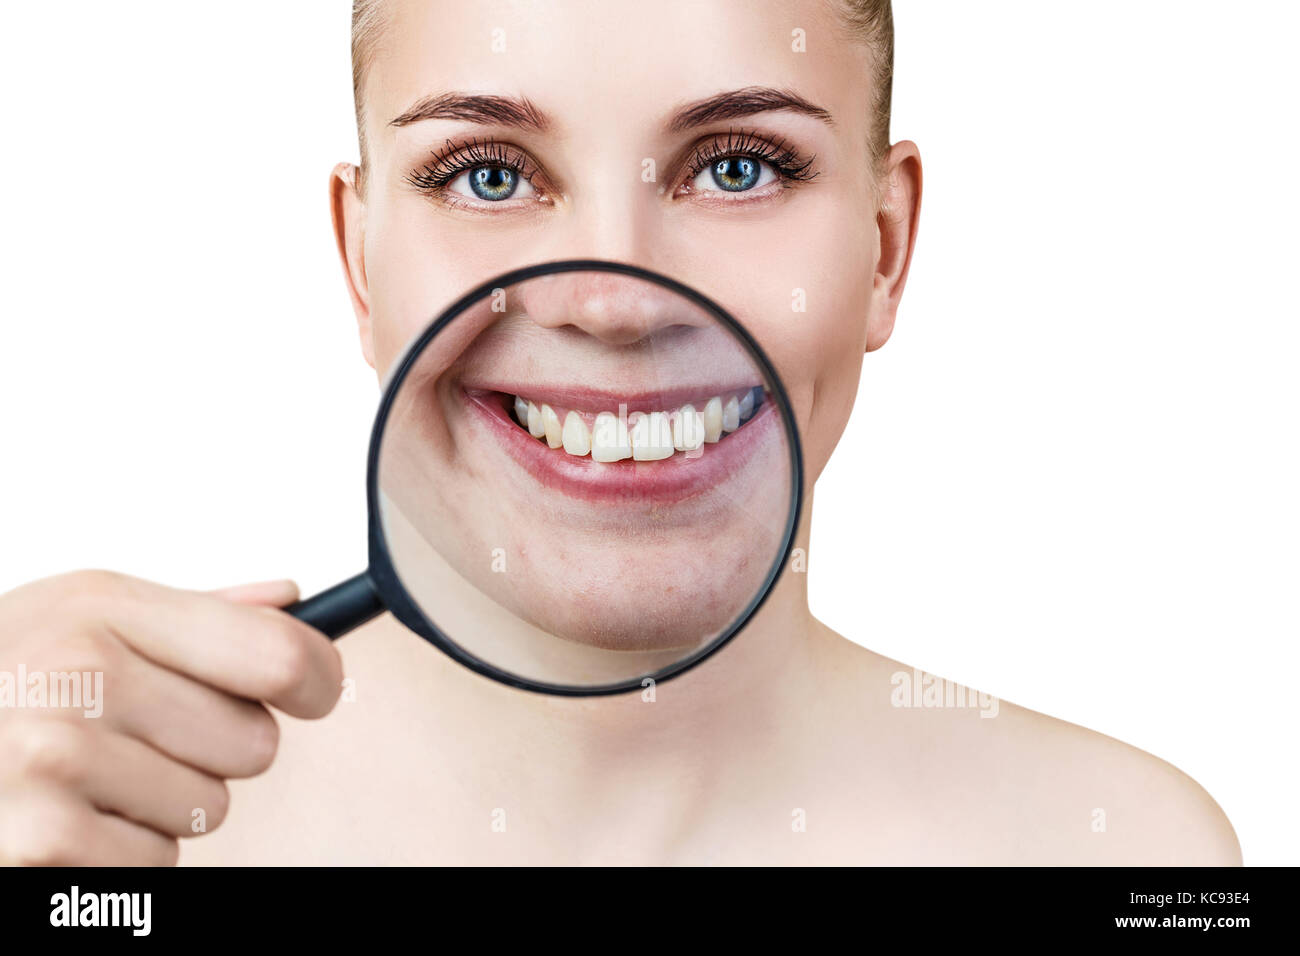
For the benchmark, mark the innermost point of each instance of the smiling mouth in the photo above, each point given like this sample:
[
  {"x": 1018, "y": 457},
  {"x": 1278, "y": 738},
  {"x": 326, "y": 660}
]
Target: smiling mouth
[
  {"x": 626, "y": 451},
  {"x": 645, "y": 434}
]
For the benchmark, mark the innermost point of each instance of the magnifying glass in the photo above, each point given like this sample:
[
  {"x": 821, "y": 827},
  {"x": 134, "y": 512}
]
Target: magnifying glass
[{"x": 583, "y": 477}]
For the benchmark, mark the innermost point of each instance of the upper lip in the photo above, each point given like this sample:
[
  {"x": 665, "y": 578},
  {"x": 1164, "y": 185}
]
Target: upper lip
[{"x": 635, "y": 400}]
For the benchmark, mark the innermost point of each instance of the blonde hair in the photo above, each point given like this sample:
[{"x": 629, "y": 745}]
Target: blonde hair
[
  {"x": 367, "y": 27},
  {"x": 871, "y": 21}
]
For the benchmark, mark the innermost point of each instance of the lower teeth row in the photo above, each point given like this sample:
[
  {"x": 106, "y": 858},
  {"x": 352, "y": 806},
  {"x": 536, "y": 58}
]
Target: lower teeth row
[{"x": 640, "y": 436}]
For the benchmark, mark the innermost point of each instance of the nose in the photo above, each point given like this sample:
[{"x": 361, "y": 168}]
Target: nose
[{"x": 616, "y": 309}]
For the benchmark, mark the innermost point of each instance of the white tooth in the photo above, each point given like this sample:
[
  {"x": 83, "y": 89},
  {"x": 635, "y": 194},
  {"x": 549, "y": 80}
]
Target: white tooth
[
  {"x": 747, "y": 404},
  {"x": 535, "y": 426},
  {"x": 521, "y": 411},
  {"x": 577, "y": 439},
  {"x": 731, "y": 415},
  {"x": 551, "y": 425},
  {"x": 609, "y": 438},
  {"x": 652, "y": 436},
  {"x": 688, "y": 429},
  {"x": 712, "y": 419},
  {"x": 661, "y": 431}
]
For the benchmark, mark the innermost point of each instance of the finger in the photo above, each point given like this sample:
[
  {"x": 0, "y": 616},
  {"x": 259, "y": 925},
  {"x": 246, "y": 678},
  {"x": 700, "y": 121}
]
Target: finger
[
  {"x": 135, "y": 781},
  {"x": 47, "y": 826},
  {"x": 116, "y": 773},
  {"x": 269, "y": 593},
  {"x": 256, "y": 652},
  {"x": 194, "y": 723}
]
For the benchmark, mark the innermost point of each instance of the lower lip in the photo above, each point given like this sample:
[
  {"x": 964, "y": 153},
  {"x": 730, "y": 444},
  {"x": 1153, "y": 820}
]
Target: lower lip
[{"x": 671, "y": 480}]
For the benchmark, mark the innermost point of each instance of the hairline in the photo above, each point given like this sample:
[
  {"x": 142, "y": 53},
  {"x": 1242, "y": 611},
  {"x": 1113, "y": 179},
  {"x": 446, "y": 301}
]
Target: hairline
[{"x": 870, "y": 21}]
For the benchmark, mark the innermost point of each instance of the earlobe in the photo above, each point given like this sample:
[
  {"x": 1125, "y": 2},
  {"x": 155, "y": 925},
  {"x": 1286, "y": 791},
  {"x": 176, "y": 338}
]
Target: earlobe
[
  {"x": 348, "y": 214},
  {"x": 896, "y": 224}
]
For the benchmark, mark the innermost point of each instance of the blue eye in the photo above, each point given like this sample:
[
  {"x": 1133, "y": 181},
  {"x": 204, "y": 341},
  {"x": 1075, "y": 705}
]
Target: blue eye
[
  {"x": 493, "y": 182},
  {"x": 735, "y": 173},
  {"x": 490, "y": 182}
]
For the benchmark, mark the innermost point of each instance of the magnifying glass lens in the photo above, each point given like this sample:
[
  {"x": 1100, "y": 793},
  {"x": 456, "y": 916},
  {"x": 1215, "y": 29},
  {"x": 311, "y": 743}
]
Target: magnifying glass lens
[{"x": 585, "y": 477}]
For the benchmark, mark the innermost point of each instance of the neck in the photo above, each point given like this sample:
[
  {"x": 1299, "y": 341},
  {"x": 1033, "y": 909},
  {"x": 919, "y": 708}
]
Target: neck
[{"x": 764, "y": 676}]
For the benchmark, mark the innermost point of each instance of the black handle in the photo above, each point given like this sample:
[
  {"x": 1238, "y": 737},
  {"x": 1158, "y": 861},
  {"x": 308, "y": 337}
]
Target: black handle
[{"x": 339, "y": 609}]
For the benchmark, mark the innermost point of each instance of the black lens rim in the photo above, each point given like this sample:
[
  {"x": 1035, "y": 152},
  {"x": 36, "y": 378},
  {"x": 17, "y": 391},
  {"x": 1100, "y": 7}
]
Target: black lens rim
[{"x": 385, "y": 577}]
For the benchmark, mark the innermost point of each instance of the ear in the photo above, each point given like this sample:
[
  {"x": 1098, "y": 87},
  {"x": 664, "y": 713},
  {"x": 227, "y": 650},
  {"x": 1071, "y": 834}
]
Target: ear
[
  {"x": 348, "y": 213},
  {"x": 900, "y": 210}
]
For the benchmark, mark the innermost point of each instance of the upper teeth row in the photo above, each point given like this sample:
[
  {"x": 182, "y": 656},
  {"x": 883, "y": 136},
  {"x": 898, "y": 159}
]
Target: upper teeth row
[{"x": 640, "y": 436}]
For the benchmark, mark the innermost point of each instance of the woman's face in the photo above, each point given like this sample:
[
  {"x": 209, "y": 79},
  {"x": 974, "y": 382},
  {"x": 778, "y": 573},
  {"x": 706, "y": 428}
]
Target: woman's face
[{"x": 722, "y": 144}]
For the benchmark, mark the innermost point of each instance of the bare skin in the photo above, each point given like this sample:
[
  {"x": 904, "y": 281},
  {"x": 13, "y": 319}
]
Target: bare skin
[
  {"x": 790, "y": 717},
  {"x": 785, "y": 747}
]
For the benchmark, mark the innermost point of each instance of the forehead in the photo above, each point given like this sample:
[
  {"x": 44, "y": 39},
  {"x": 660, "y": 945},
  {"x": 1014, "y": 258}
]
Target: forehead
[{"x": 615, "y": 64}]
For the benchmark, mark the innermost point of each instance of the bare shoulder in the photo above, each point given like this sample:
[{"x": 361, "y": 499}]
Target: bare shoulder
[
  {"x": 1144, "y": 811},
  {"x": 1019, "y": 787}
]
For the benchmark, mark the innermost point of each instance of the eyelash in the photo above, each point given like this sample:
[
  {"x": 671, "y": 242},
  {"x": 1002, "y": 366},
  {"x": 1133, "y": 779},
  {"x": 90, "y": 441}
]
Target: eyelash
[
  {"x": 454, "y": 159},
  {"x": 448, "y": 163},
  {"x": 788, "y": 164}
]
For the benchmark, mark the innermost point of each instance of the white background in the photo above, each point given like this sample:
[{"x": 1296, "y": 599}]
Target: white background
[{"x": 1070, "y": 479}]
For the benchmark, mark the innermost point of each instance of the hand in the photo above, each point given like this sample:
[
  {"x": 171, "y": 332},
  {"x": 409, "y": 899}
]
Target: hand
[{"x": 180, "y": 681}]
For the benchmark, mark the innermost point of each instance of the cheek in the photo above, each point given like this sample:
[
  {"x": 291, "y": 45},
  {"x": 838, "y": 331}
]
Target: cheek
[
  {"x": 406, "y": 289},
  {"x": 802, "y": 287},
  {"x": 418, "y": 264},
  {"x": 827, "y": 348}
]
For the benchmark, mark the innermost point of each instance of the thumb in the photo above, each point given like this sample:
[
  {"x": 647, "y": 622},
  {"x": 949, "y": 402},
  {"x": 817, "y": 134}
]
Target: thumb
[{"x": 276, "y": 593}]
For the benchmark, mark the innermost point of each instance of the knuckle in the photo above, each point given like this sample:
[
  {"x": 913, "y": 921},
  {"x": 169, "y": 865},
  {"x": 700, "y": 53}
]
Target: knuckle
[
  {"x": 48, "y": 835},
  {"x": 49, "y": 749},
  {"x": 83, "y": 651},
  {"x": 94, "y": 583},
  {"x": 72, "y": 596}
]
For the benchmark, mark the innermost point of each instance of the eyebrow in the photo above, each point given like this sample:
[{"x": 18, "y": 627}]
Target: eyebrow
[
  {"x": 520, "y": 113},
  {"x": 512, "y": 111},
  {"x": 747, "y": 101}
]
